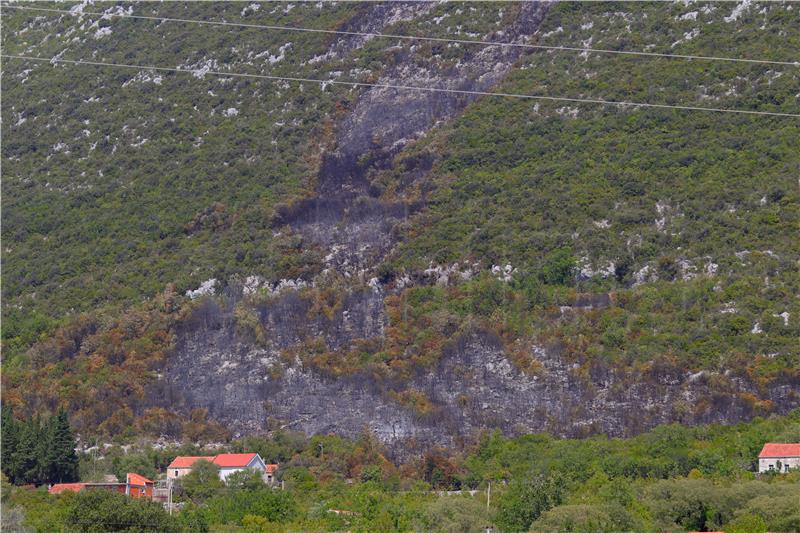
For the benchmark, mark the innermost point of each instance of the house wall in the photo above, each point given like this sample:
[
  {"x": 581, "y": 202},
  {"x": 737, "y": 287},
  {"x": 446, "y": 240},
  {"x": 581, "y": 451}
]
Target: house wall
[
  {"x": 255, "y": 464},
  {"x": 225, "y": 472},
  {"x": 764, "y": 464},
  {"x": 122, "y": 488},
  {"x": 140, "y": 491},
  {"x": 173, "y": 473}
]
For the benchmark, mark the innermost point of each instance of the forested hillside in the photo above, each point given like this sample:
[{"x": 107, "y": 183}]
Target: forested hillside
[{"x": 201, "y": 254}]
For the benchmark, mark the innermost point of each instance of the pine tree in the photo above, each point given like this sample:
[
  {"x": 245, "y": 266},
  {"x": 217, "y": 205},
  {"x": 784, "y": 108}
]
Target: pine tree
[
  {"x": 61, "y": 458},
  {"x": 38, "y": 452},
  {"x": 23, "y": 460},
  {"x": 45, "y": 457},
  {"x": 9, "y": 430}
]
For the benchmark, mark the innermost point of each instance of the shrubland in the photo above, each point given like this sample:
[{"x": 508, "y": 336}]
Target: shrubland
[
  {"x": 680, "y": 223},
  {"x": 670, "y": 479}
]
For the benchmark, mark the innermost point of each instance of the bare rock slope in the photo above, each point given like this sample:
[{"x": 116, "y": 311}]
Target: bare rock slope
[{"x": 474, "y": 385}]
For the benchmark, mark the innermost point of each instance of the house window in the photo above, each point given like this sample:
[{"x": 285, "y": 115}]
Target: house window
[
  {"x": 786, "y": 468},
  {"x": 176, "y": 473},
  {"x": 772, "y": 467}
]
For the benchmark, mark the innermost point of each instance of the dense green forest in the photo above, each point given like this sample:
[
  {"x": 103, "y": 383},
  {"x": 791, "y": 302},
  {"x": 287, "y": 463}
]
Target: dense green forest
[{"x": 671, "y": 479}]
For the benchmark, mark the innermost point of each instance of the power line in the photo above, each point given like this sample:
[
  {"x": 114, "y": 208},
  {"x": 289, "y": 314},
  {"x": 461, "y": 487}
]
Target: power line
[
  {"x": 405, "y": 87},
  {"x": 415, "y": 37}
]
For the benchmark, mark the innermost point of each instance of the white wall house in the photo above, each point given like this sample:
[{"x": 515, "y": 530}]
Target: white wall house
[
  {"x": 228, "y": 464},
  {"x": 776, "y": 457}
]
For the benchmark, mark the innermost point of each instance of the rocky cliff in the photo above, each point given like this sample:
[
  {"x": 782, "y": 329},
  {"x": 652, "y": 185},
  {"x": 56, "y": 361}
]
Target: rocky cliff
[{"x": 473, "y": 386}]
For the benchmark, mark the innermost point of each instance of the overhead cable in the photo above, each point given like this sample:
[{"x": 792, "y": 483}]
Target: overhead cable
[
  {"x": 581, "y": 49},
  {"x": 185, "y": 70}
]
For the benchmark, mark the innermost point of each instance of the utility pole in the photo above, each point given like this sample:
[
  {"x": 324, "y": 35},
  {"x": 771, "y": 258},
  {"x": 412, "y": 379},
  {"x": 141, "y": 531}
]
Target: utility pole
[
  {"x": 169, "y": 495},
  {"x": 488, "y": 494}
]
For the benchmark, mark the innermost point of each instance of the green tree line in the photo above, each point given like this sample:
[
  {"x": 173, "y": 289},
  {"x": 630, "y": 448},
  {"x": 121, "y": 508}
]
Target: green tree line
[{"x": 38, "y": 450}]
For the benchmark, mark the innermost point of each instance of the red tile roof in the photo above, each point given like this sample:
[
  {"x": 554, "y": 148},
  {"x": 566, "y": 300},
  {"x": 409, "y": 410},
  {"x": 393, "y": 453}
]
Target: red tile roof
[
  {"x": 233, "y": 460},
  {"x": 223, "y": 460},
  {"x": 58, "y": 488},
  {"x": 773, "y": 449},
  {"x": 271, "y": 469},
  {"x": 186, "y": 461},
  {"x": 138, "y": 479}
]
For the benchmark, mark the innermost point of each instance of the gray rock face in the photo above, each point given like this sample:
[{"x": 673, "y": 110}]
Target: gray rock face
[
  {"x": 473, "y": 387},
  {"x": 242, "y": 384}
]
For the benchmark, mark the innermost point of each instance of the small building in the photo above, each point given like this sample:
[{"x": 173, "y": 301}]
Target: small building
[
  {"x": 228, "y": 463},
  {"x": 182, "y": 465},
  {"x": 777, "y": 457},
  {"x": 135, "y": 486},
  {"x": 139, "y": 486},
  {"x": 269, "y": 474}
]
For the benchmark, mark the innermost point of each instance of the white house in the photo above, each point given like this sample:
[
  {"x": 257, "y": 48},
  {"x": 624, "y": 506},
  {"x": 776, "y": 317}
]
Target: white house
[
  {"x": 228, "y": 463},
  {"x": 776, "y": 457}
]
